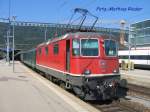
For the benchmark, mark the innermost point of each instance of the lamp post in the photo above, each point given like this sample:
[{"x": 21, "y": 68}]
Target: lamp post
[
  {"x": 45, "y": 33},
  {"x": 129, "y": 46},
  {"x": 8, "y": 33},
  {"x": 13, "y": 52},
  {"x": 7, "y": 44},
  {"x": 7, "y": 39}
]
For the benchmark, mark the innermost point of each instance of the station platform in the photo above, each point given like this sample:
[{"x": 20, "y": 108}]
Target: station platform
[
  {"x": 26, "y": 91},
  {"x": 137, "y": 77}
]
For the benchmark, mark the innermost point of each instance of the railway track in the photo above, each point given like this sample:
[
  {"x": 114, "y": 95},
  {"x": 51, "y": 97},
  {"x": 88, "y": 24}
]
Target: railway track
[
  {"x": 120, "y": 106},
  {"x": 135, "y": 90},
  {"x": 141, "y": 94},
  {"x": 113, "y": 107}
]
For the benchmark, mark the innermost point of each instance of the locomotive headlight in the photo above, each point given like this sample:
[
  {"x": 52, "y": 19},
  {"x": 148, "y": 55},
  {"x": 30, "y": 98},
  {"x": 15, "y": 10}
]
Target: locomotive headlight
[
  {"x": 87, "y": 72},
  {"x": 115, "y": 71},
  {"x": 110, "y": 85}
]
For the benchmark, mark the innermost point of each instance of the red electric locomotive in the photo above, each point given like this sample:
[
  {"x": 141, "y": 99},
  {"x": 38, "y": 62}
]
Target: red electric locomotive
[{"x": 86, "y": 62}]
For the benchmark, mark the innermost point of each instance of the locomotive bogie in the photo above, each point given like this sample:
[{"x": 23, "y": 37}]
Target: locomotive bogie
[{"x": 98, "y": 88}]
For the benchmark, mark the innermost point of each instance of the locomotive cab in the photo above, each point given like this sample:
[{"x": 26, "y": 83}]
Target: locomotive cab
[
  {"x": 94, "y": 65},
  {"x": 97, "y": 55}
]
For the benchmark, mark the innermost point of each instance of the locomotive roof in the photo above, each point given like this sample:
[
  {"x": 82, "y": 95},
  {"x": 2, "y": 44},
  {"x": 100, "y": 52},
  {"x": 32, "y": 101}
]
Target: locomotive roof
[{"x": 76, "y": 35}]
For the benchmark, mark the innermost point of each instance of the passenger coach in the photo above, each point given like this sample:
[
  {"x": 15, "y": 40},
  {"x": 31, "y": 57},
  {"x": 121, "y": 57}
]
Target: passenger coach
[{"x": 140, "y": 57}]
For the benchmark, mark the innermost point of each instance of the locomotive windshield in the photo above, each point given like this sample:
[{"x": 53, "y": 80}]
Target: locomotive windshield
[
  {"x": 89, "y": 47},
  {"x": 110, "y": 48}
]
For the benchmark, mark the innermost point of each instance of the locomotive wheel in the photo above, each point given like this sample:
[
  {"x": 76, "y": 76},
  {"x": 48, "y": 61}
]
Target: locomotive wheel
[
  {"x": 49, "y": 77},
  {"x": 62, "y": 85},
  {"x": 79, "y": 92}
]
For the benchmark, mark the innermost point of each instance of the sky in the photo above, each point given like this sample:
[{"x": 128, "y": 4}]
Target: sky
[{"x": 109, "y": 12}]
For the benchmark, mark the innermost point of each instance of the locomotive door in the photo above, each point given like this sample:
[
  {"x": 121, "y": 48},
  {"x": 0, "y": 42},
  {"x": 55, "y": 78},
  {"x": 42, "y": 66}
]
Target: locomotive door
[{"x": 68, "y": 55}]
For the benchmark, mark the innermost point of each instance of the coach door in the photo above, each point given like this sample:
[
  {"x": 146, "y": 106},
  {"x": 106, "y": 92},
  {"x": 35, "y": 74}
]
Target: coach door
[{"x": 68, "y": 55}]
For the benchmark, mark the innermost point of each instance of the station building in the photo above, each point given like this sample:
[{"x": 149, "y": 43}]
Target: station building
[
  {"x": 139, "y": 39},
  {"x": 140, "y": 34}
]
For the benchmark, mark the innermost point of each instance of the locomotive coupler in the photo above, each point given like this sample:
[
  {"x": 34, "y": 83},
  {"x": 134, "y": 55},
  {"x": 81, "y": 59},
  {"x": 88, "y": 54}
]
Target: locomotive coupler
[{"x": 107, "y": 89}]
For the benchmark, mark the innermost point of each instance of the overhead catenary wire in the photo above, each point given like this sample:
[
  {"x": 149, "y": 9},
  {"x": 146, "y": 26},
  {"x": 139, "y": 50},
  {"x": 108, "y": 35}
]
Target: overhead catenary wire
[{"x": 58, "y": 16}]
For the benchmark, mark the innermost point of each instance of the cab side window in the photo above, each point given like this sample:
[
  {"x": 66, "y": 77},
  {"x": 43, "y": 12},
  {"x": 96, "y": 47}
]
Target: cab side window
[
  {"x": 56, "y": 49},
  {"x": 39, "y": 51},
  {"x": 76, "y": 47},
  {"x": 46, "y": 50}
]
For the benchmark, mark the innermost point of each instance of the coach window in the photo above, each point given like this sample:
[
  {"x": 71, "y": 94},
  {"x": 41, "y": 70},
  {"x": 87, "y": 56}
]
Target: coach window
[
  {"x": 46, "y": 50},
  {"x": 56, "y": 49},
  {"x": 39, "y": 50},
  {"x": 76, "y": 47}
]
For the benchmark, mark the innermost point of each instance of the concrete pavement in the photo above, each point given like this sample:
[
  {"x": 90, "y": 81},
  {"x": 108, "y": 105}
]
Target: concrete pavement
[{"x": 26, "y": 91}]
